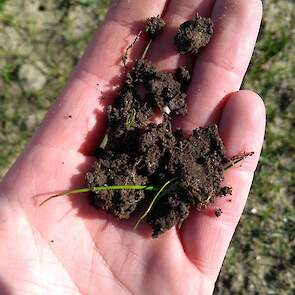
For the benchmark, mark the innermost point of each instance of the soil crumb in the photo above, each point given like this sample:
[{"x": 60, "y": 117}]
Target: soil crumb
[
  {"x": 183, "y": 75},
  {"x": 194, "y": 34},
  {"x": 140, "y": 153},
  {"x": 225, "y": 191},
  {"x": 218, "y": 212},
  {"x": 154, "y": 25}
]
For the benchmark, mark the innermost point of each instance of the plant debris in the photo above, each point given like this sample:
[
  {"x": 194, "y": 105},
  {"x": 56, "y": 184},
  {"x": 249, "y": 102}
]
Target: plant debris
[
  {"x": 125, "y": 56},
  {"x": 194, "y": 34}
]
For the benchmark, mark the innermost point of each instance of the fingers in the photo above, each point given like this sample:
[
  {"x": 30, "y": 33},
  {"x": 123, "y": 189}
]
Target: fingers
[
  {"x": 76, "y": 121},
  {"x": 123, "y": 22},
  {"x": 220, "y": 67},
  {"x": 163, "y": 52},
  {"x": 206, "y": 237}
]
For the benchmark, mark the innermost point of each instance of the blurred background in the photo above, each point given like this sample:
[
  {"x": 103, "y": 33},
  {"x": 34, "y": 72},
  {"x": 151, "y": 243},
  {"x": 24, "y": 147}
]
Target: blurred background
[{"x": 41, "y": 41}]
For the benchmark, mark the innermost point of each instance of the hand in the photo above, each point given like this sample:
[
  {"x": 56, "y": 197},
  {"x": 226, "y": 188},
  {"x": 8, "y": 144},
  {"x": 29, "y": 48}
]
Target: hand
[{"x": 68, "y": 247}]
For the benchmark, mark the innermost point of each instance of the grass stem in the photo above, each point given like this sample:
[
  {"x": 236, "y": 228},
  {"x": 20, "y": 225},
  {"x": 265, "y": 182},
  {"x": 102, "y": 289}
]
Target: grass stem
[
  {"x": 100, "y": 188},
  {"x": 154, "y": 200}
]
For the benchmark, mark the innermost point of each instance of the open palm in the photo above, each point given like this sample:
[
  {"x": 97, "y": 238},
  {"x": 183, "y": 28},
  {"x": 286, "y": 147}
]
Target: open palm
[{"x": 68, "y": 247}]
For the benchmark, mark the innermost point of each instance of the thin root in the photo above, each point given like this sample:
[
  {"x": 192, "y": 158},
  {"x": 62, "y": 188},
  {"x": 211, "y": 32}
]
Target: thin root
[
  {"x": 237, "y": 159},
  {"x": 125, "y": 56}
]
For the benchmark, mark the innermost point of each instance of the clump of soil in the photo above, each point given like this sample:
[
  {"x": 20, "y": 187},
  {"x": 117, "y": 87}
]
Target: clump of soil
[
  {"x": 183, "y": 75},
  {"x": 138, "y": 152},
  {"x": 194, "y": 34},
  {"x": 218, "y": 212},
  {"x": 198, "y": 164},
  {"x": 154, "y": 25}
]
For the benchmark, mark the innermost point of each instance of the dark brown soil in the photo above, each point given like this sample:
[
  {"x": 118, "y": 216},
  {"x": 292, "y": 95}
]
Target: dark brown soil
[
  {"x": 142, "y": 153},
  {"x": 194, "y": 34},
  {"x": 154, "y": 25},
  {"x": 218, "y": 212},
  {"x": 183, "y": 75}
]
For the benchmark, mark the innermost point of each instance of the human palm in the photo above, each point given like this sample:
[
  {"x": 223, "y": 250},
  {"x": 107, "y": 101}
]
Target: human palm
[{"x": 68, "y": 247}]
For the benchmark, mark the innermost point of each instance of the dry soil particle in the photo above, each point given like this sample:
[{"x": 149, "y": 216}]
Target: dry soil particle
[
  {"x": 194, "y": 34},
  {"x": 218, "y": 212},
  {"x": 182, "y": 75},
  {"x": 154, "y": 25},
  {"x": 226, "y": 190}
]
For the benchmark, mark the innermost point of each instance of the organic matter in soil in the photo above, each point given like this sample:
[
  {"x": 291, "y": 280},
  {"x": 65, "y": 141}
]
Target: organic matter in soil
[
  {"x": 139, "y": 152},
  {"x": 151, "y": 167}
]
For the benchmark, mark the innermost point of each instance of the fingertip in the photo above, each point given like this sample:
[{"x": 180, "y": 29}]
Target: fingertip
[
  {"x": 249, "y": 105},
  {"x": 256, "y": 6},
  {"x": 243, "y": 9},
  {"x": 253, "y": 8},
  {"x": 242, "y": 126}
]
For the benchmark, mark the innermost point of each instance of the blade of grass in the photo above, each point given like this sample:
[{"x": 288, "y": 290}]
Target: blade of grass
[
  {"x": 135, "y": 187},
  {"x": 100, "y": 188},
  {"x": 154, "y": 200}
]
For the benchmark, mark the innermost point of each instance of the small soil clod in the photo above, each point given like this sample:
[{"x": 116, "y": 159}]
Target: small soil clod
[
  {"x": 183, "y": 75},
  {"x": 194, "y": 34},
  {"x": 225, "y": 191},
  {"x": 218, "y": 212},
  {"x": 154, "y": 25}
]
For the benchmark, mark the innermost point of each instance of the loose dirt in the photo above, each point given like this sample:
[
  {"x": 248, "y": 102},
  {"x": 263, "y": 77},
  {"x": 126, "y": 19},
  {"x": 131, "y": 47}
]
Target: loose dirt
[
  {"x": 154, "y": 25},
  {"x": 194, "y": 34},
  {"x": 139, "y": 152}
]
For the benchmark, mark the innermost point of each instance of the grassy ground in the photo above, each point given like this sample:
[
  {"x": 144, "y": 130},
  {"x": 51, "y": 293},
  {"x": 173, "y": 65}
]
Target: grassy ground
[{"x": 39, "y": 45}]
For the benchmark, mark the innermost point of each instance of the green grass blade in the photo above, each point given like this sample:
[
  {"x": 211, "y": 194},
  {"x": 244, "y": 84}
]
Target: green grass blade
[
  {"x": 100, "y": 188},
  {"x": 154, "y": 200}
]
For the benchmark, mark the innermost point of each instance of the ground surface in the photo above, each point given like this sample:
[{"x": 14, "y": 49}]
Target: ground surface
[{"x": 45, "y": 41}]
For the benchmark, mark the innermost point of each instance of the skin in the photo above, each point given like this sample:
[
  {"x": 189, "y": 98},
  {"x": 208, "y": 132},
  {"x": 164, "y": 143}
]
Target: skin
[{"x": 66, "y": 246}]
